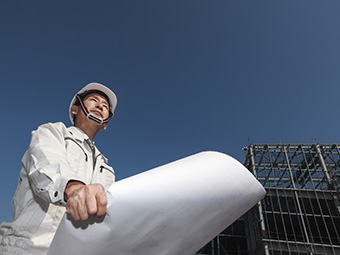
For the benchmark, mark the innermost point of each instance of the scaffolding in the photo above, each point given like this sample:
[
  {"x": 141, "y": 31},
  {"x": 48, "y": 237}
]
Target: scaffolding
[{"x": 300, "y": 214}]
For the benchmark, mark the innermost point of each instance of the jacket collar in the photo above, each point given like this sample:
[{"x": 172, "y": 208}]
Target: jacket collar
[
  {"x": 78, "y": 134},
  {"x": 81, "y": 137}
]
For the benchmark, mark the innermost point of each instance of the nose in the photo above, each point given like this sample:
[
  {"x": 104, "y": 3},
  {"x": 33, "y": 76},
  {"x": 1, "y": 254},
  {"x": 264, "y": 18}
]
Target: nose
[
  {"x": 100, "y": 108},
  {"x": 99, "y": 105}
]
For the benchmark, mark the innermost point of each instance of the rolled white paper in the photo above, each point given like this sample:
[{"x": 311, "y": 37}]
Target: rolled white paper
[{"x": 174, "y": 209}]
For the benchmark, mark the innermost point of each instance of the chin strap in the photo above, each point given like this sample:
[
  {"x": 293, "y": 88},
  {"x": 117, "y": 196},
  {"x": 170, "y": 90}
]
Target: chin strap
[{"x": 91, "y": 116}]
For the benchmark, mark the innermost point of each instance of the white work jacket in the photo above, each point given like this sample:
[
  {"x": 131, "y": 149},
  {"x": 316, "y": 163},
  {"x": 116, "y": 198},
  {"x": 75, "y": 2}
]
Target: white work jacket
[{"x": 55, "y": 156}]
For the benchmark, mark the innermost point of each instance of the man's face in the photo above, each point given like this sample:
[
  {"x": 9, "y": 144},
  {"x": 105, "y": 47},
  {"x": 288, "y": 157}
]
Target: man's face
[{"x": 97, "y": 105}]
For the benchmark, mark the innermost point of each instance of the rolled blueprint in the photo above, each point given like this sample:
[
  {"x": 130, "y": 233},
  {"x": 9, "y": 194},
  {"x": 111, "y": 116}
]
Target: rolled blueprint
[{"x": 174, "y": 209}]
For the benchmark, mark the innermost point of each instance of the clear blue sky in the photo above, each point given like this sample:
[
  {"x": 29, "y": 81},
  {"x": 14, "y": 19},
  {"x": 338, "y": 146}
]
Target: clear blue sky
[{"x": 190, "y": 75}]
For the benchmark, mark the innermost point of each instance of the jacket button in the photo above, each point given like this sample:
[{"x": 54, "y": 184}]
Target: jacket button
[{"x": 56, "y": 194}]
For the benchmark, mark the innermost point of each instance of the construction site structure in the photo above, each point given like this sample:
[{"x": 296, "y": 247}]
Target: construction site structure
[{"x": 300, "y": 214}]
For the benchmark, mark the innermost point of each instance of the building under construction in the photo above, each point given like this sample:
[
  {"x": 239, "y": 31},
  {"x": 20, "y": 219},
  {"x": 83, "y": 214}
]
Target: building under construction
[{"x": 300, "y": 214}]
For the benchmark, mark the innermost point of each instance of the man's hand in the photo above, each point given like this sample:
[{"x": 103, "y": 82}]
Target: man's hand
[{"x": 84, "y": 201}]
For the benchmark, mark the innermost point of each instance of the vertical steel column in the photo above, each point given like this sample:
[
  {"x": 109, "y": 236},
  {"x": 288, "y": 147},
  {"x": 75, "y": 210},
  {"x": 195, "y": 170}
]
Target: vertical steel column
[
  {"x": 324, "y": 168},
  {"x": 337, "y": 188},
  {"x": 329, "y": 182},
  {"x": 298, "y": 202},
  {"x": 263, "y": 227},
  {"x": 213, "y": 246},
  {"x": 218, "y": 245}
]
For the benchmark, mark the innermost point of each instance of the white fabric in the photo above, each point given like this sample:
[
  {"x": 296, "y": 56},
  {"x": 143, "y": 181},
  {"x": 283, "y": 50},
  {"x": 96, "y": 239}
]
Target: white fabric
[
  {"x": 56, "y": 155},
  {"x": 174, "y": 209}
]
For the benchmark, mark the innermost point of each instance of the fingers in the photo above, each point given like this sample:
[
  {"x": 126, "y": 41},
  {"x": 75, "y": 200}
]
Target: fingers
[
  {"x": 101, "y": 200},
  {"x": 97, "y": 200},
  {"x": 74, "y": 206},
  {"x": 87, "y": 201},
  {"x": 91, "y": 204}
]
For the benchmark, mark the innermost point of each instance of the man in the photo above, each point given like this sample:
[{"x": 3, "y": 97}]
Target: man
[{"x": 62, "y": 170}]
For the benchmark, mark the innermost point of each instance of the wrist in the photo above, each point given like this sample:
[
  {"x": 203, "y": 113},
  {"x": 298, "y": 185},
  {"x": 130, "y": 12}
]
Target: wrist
[{"x": 71, "y": 187}]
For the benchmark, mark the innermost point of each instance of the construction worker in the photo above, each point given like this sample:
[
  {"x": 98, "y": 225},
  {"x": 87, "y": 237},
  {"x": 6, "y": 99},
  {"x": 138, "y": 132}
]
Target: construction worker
[{"x": 62, "y": 171}]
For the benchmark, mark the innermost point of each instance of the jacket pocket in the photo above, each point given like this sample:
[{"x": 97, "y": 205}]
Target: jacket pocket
[{"x": 107, "y": 175}]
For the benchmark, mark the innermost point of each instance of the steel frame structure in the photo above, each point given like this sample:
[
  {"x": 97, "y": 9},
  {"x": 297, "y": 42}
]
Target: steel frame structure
[{"x": 300, "y": 214}]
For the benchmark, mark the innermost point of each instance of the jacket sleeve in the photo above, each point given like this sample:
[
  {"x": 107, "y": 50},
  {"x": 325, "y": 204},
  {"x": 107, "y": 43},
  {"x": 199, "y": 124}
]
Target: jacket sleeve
[{"x": 46, "y": 163}]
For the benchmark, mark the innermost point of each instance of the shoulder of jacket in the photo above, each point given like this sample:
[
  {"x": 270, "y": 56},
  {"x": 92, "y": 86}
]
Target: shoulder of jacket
[
  {"x": 59, "y": 125},
  {"x": 53, "y": 127}
]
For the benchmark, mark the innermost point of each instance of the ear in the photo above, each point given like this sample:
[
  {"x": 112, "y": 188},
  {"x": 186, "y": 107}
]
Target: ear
[{"x": 74, "y": 109}]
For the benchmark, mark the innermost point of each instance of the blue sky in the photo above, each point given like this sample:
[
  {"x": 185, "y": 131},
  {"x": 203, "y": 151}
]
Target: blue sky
[{"x": 190, "y": 75}]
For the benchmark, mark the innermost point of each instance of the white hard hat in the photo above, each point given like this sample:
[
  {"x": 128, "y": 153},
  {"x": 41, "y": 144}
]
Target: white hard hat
[{"x": 100, "y": 87}]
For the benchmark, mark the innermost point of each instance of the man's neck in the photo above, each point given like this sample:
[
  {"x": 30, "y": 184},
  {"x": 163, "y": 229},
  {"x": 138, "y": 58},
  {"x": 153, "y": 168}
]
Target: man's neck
[{"x": 90, "y": 129}]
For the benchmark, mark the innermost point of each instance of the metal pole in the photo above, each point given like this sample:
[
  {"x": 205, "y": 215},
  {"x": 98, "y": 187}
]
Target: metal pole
[
  {"x": 324, "y": 168},
  {"x": 298, "y": 202},
  {"x": 259, "y": 205}
]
